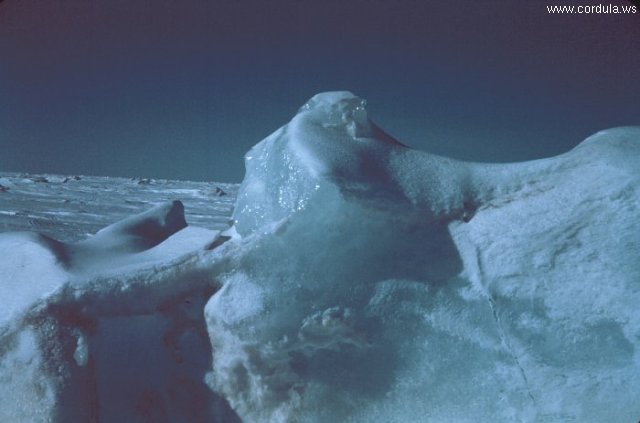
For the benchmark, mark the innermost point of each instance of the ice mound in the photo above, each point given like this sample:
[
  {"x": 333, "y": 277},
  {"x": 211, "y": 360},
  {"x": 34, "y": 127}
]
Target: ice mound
[
  {"x": 362, "y": 281},
  {"x": 379, "y": 283}
]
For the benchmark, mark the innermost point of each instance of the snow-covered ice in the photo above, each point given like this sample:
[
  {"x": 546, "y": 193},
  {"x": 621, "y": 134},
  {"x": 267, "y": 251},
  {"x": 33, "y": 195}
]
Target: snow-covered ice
[{"x": 362, "y": 281}]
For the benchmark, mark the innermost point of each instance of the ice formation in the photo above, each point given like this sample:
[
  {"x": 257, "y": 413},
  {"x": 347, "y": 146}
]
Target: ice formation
[
  {"x": 362, "y": 281},
  {"x": 99, "y": 330}
]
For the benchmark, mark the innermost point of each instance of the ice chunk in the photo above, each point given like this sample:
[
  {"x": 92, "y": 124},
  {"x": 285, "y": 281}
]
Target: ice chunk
[
  {"x": 395, "y": 285},
  {"x": 81, "y": 354},
  {"x": 156, "y": 235},
  {"x": 143, "y": 231},
  {"x": 330, "y": 145}
]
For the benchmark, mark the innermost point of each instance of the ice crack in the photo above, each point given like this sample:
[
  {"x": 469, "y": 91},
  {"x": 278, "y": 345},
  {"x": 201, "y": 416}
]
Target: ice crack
[{"x": 501, "y": 332}]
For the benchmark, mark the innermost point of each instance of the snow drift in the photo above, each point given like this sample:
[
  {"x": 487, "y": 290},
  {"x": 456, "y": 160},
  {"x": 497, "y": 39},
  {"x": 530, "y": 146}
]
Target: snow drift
[{"x": 362, "y": 281}]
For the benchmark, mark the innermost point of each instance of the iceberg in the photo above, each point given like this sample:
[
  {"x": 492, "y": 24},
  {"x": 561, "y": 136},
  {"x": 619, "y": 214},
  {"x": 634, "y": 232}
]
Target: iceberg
[{"x": 361, "y": 281}]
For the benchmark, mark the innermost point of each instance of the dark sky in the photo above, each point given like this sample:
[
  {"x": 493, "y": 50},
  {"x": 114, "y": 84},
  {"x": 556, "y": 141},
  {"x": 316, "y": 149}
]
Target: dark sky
[{"x": 182, "y": 89}]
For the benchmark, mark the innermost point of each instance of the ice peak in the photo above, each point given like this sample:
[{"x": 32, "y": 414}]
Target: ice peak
[{"x": 339, "y": 108}]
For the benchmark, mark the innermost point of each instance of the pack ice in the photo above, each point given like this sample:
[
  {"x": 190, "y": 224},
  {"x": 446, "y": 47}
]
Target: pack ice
[{"x": 362, "y": 281}]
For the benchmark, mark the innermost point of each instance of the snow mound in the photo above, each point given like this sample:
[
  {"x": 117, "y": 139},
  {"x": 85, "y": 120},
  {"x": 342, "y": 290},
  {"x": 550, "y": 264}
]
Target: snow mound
[{"x": 362, "y": 281}]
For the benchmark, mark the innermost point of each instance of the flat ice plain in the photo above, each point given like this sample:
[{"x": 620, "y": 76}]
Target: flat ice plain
[{"x": 361, "y": 281}]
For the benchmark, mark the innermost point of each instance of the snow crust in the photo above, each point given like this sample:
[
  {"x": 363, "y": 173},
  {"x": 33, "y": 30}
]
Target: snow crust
[{"x": 362, "y": 281}]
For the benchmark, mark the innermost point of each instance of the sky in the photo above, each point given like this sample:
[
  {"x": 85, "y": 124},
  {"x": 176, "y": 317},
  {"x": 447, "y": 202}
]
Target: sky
[{"x": 182, "y": 89}]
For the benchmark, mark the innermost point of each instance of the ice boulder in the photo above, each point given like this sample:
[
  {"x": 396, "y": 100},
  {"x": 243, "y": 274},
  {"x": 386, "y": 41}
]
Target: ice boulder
[{"x": 379, "y": 283}]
